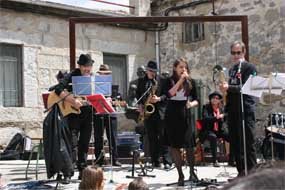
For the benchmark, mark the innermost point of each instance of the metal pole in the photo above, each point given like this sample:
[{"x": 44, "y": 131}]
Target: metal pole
[{"x": 243, "y": 122}]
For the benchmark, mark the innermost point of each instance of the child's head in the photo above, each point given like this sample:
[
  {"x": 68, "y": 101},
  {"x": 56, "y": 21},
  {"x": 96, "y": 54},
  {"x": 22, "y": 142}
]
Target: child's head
[
  {"x": 138, "y": 184},
  {"x": 92, "y": 178}
]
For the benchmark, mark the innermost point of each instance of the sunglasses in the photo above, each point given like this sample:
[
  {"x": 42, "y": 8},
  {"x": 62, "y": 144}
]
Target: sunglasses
[{"x": 236, "y": 52}]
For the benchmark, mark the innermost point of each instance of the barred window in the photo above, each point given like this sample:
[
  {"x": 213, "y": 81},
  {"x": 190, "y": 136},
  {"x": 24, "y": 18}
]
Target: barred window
[
  {"x": 118, "y": 66},
  {"x": 193, "y": 32},
  {"x": 11, "y": 94}
]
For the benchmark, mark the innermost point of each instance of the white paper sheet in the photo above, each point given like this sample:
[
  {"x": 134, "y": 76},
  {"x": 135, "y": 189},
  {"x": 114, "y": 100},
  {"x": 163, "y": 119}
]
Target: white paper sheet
[{"x": 256, "y": 85}]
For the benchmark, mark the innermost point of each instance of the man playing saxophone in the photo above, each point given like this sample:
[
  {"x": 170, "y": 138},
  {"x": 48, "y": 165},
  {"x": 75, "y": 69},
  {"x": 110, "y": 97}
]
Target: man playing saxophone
[{"x": 151, "y": 106}]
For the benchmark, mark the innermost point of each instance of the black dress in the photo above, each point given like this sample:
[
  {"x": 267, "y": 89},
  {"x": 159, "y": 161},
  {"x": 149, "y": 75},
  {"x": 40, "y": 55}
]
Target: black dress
[{"x": 177, "y": 119}]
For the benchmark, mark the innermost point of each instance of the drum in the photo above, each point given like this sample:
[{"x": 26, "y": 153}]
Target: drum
[
  {"x": 278, "y": 135},
  {"x": 277, "y": 119}
]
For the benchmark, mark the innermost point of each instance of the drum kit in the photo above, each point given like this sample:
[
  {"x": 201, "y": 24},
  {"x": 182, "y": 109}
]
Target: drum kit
[{"x": 273, "y": 146}]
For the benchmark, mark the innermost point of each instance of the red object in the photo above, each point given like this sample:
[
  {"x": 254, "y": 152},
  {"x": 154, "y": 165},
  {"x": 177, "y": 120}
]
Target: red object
[
  {"x": 199, "y": 124},
  {"x": 45, "y": 99},
  {"x": 216, "y": 114},
  {"x": 100, "y": 104}
]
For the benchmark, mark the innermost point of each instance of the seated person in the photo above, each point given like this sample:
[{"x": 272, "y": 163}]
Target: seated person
[{"x": 212, "y": 124}]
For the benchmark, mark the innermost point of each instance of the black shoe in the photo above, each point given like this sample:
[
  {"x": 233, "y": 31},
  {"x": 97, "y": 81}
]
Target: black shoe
[
  {"x": 193, "y": 177},
  {"x": 232, "y": 163},
  {"x": 216, "y": 164},
  {"x": 66, "y": 180},
  {"x": 117, "y": 163},
  {"x": 167, "y": 166},
  {"x": 80, "y": 175},
  {"x": 156, "y": 165}
]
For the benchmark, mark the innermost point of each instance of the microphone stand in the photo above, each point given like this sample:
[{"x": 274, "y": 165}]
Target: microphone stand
[{"x": 242, "y": 117}]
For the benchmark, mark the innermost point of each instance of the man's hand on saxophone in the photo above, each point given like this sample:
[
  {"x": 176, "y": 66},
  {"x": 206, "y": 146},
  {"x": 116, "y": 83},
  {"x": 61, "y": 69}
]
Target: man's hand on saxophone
[{"x": 154, "y": 99}]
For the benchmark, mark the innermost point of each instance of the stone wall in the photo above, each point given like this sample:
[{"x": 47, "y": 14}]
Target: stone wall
[
  {"x": 266, "y": 39},
  {"x": 45, "y": 42}
]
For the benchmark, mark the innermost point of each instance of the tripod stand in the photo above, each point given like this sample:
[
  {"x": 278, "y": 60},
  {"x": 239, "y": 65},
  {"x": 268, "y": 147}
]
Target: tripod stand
[{"x": 143, "y": 167}]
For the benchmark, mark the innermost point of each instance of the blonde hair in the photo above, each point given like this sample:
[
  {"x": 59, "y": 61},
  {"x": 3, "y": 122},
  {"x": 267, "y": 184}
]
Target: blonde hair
[{"x": 92, "y": 179}]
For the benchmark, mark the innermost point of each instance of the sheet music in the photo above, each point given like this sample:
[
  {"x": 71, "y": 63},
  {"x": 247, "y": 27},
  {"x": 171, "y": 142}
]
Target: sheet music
[{"x": 256, "y": 85}]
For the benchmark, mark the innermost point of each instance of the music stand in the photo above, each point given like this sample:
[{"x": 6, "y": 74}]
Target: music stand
[
  {"x": 257, "y": 86},
  {"x": 102, "y": 106}
]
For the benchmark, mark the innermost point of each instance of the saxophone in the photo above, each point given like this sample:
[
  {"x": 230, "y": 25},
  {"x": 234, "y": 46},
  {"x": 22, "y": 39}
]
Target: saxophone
[{"x": 148, "y": 108}]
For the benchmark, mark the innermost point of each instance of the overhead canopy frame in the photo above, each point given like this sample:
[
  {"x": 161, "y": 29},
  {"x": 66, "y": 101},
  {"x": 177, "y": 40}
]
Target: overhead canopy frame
[{"x": 242, "y": 19}]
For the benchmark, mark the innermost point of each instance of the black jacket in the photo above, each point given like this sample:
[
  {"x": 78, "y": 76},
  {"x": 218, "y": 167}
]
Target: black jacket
[
  {"x": 233, "y": 93},
  {"x": 144, "y": 84},
  {"x": 209, "y": 119}
]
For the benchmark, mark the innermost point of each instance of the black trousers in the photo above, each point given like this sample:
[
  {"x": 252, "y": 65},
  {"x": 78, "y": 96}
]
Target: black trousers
[
  {"x": 212, "y": 137},
  {"x": 236, "y": 140},
  {"x": 102, "y": 122},
  {"x": 80, "y": 127},
  {"x": 155, "y": 133}
]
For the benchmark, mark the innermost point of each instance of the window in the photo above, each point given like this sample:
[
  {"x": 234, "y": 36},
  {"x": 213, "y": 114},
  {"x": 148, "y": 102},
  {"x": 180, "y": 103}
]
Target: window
[
  {"x": 118, "y": 66},
  {"x": 10, "y": 75},
  {"x": 193, "y": 32}
]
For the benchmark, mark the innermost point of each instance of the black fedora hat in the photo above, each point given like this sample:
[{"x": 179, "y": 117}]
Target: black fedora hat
[
  {"x": 85, "y": 60},
  {"x": 152, "y": 66},
  {"x": 215, "y": 93}
]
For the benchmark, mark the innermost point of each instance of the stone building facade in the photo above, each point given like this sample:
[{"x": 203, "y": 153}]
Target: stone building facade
[{"x": 41, "y": 31}]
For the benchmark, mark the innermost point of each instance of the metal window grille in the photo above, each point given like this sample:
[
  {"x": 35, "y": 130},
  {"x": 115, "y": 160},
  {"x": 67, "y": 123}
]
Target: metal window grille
[{"x": 193, "y": 32}]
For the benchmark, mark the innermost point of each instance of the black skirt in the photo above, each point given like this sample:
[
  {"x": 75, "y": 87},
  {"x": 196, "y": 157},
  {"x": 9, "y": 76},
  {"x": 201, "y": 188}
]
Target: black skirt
[{"x": 177, "y": 125}]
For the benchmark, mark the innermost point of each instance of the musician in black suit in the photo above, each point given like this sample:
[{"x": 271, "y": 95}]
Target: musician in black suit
[
  {"x": 79, "y": 124},
  {"x": 153, "y": 122},
  {"x": 102, "y": 122},
  {"x": 238, "y": 75}
]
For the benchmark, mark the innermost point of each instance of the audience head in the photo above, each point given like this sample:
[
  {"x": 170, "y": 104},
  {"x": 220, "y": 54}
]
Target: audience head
[
  {"x": 264, "y": 176},
  {"x": 138, "y": 184},
  {"x": 92, "y": 179}
]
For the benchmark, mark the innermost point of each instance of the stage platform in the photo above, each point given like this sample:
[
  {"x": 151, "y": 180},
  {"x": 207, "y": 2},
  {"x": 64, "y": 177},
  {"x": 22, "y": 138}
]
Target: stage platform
[{"x": 13, "y": 172}]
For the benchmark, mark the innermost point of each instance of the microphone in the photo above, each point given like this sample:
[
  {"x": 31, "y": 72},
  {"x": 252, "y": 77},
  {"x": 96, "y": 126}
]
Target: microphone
[{"x": 239, "y": 66}]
